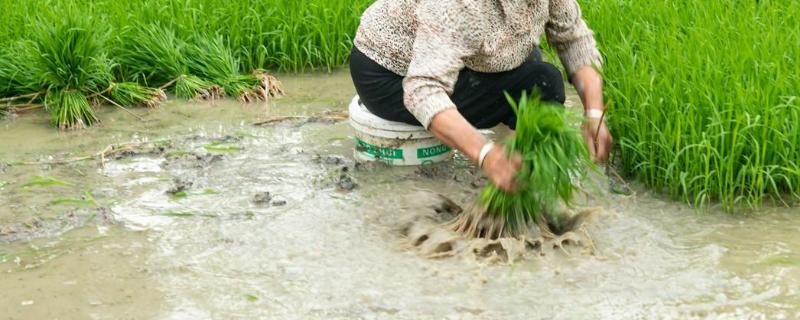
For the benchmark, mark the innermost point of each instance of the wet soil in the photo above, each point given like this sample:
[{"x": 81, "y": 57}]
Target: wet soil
[{"x": 278, "y": 222}]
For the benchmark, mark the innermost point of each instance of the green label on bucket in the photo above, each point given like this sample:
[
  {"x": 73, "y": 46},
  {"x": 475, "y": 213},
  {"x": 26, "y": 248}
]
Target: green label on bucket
[
  {"x": 430, "y": 152},
  {"x": 378, "y": 152}
]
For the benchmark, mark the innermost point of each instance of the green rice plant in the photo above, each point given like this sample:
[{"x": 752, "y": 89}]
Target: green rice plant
[
  {"x": 70, "y": 55},
  {"x": 211, "y": 59},
  {"x": 45, "y": 181},
  {"x": 84, "y": 201},
  {"x": 153, "y": 54},
  {"x": 285, "y": 35},
  {"x": 70, "y": 110},
  {"x": 555, "y": 158},
  {"x": 16, "y": 76},
  {"x": 133, "y": 94},
  {"x": 222, "y": 148},
  {"x": 706, "y": 96},
  {"x": 62, "y": 45},
  {"x": 69, "y": 63},
  {"x": 150, "y": 53},
  {"x": 192, "y": 87}
]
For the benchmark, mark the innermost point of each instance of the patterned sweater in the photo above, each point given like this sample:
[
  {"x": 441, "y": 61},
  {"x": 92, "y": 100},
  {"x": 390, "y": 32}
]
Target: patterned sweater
[{"x": 430, "y": 41}]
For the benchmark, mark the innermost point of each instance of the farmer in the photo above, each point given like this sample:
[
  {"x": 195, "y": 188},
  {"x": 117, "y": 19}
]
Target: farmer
[{"x": 445, "y": 64}]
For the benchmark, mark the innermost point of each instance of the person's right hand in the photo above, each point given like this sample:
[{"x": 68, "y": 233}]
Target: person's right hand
[{"x": 502, "y": 169}]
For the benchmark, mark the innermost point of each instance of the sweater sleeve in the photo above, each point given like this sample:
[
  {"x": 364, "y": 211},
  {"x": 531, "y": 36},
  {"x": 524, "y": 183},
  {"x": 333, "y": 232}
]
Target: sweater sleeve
[
  {"x": 572, "y": 38},
  {"x": 440, "y": 45}
]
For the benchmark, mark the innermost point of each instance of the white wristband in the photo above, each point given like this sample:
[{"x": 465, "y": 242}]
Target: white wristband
[
  {"x": 484, "y": 152},
  {"x": 596, "y": 114}
]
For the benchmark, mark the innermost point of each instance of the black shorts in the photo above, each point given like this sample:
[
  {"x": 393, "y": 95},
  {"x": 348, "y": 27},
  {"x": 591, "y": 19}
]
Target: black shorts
[{"x": 479, "y": 97}]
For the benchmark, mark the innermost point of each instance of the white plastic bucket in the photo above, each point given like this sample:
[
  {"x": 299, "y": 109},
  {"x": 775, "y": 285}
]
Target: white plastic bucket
[{"x": 394, "y": 143}]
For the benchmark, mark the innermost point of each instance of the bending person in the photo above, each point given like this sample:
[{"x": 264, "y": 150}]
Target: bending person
[{"x": 445, "y": 64}]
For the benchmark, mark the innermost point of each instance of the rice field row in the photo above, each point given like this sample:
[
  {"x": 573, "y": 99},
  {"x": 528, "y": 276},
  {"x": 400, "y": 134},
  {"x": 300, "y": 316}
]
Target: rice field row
[
  {"x": 705, "y": 96},
  {"x": 68, "y": 56}
]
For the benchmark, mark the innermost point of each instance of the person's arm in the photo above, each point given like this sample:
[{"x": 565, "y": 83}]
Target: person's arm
[
  {"x": 577, "y": 49},
  {"x": 452, "y": 129},
  {"x": 589, "y": 84},
  {"x": 442, "y": 42}
]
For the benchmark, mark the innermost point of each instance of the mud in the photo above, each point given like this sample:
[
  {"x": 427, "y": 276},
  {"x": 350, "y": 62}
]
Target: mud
[
  {"x": 376, "y": 251},
  {"x": 35, "y": 228},
  {"x": 262, "y": 198},
  {"x": 428, "y": 233}
]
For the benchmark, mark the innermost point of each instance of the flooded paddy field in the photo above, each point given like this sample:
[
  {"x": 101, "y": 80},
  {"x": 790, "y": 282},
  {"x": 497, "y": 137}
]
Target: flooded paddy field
[{"x": 199, "y": 214}]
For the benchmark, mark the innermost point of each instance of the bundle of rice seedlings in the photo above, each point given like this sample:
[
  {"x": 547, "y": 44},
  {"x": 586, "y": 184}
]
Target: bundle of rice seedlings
[
  {"x": 69, "y": 63},
  {"x": 269, "y": 85},
  {"x": 211, "y": 59},
  {"x": 554, "y": 159},
  {"x": 194, "y": 88},
  {"x": 153, "y": 54},
  {"x": 70, "y": 110},
  {"x": 258, "y": 86},
  {"x": 133, "y": 94}
]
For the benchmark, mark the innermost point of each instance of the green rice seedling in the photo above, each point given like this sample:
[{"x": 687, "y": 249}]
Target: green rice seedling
[
  {"x": 44, "y": 181},
  {"x": 86, "y": 200},
  {"x": 706, "y": 97},
  {"x": 153, "y": 54},
  {"x": 133, "y": 94},
  {"x": 70, "y": 55},
  {"x": 212, "y": 60},
  {"x": 70, "y": 110},
  {"x": 222, "y": 148},
  {"x": 192, "y": 87},
  {"x": 70, "y": 62},
  {"x": 62, "y": 45},
  {"x": 16, "y": 77},
  {"x": 176, "y": 214},
  {"x": 284, "y": 35},
  {"x": 554, "y": 160}
]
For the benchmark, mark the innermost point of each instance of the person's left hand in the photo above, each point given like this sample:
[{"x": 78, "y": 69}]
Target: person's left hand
[{"x": 598, "y": 139}]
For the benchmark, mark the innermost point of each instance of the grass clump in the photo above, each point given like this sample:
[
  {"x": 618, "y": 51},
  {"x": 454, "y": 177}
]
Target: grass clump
[
  {"x": 707, "y": 105},
  {"x": 554, "y": 159}
]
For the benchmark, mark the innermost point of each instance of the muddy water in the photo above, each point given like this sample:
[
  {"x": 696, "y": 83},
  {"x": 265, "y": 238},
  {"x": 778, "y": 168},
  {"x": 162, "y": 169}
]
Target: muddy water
[{"x": 235, "y": 221}]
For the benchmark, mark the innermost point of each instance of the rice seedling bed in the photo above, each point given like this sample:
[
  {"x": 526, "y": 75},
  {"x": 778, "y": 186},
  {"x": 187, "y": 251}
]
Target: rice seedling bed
[{"x": 705, "y": 96}]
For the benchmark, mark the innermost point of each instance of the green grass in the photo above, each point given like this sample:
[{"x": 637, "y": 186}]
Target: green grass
[{"x": 705, "y": 96}]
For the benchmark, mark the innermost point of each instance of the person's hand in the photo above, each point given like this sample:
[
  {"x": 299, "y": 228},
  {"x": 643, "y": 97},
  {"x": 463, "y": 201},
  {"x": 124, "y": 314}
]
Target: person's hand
[
  {"x": 502, "y": 169},
  {"x": 598, "y": 139}
]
